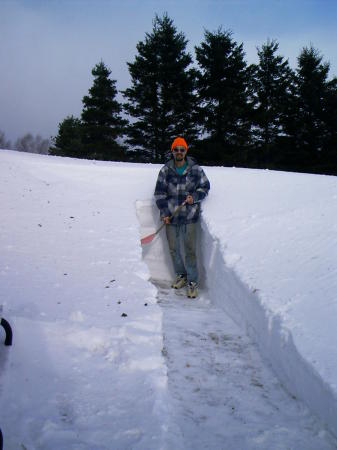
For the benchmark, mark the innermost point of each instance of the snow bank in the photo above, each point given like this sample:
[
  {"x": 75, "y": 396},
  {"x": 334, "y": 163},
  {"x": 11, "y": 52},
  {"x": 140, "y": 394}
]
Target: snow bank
[
  {"x": 269, "y": 331},
  {"x": 270, "y": 258}
]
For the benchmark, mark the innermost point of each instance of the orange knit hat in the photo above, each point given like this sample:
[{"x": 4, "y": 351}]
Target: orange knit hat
[{"x": 179, "y": 142}]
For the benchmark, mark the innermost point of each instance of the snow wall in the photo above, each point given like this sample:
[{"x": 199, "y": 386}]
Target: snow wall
[
  {"x": 267, "y": 330},
  {"x": 226, "y": 290}
]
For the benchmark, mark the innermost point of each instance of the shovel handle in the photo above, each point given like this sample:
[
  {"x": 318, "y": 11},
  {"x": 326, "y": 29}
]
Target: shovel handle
[
  {"x": 150, "y": 237},
  {"x": 178, "y": 208},
  {"x": 175, "y": 212}
]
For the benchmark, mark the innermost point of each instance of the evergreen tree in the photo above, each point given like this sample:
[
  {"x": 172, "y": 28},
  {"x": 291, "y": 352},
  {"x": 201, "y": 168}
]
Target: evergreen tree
[
  {"x": 68, "y": 142},
  {"x": 329, "y": 154},
  {"x": 102, "y": 124},
  {"x": 306, "y": 122},
  {"x": 223, "y": 91},
  {"x": 271, "y": 84},
  {"x": 161, "y": 98}
]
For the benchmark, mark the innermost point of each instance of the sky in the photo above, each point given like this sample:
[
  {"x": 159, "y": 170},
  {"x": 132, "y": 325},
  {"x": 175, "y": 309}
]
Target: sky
[{"x": 49, "y": 47}]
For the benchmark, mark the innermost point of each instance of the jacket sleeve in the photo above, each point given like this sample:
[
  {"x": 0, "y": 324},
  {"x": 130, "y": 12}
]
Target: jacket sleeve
[
  {"x": 202, "y": 188},
  {"x": 161, "y": 193}
]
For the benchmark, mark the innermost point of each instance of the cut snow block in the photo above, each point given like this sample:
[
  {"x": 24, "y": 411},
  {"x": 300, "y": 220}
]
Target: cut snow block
[{"x": 156, "y": 253}]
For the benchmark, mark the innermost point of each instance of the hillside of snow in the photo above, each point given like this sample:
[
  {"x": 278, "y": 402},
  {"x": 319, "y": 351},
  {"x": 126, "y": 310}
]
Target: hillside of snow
[{"x": 103, "y": 359}]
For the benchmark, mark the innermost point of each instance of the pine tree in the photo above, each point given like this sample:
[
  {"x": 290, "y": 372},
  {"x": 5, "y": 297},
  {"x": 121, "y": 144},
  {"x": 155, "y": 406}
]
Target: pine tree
[
  {"x": 223, "y": 95},
  {"x": 271, "y": 83},
  {"x": 161, "y": 98},
  {"x": 102, "y": 124},
  {"x": 306, "y": 123},
  {"x": 329, "y": 154},
  {"x": 68, "y": 142}
]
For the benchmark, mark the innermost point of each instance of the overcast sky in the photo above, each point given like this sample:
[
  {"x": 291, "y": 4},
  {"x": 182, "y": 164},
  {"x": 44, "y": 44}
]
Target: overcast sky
[{"x": 49, "y": 47}]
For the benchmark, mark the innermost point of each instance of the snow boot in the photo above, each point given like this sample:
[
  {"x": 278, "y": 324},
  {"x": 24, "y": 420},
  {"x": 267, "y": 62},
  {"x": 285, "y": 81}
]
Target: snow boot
[
  {"x": 192, "y": 290},
  {"x": 179, "y": 282}
]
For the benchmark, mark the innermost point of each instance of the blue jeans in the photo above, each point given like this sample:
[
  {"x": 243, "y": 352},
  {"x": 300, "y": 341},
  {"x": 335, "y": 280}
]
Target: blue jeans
[{"x": 178, "y": 235}]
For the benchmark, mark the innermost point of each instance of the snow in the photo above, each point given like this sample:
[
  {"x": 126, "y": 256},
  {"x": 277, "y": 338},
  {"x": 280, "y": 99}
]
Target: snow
[
  {"x": 280, "y": 234},
  {"x": 102, "y": 358}
]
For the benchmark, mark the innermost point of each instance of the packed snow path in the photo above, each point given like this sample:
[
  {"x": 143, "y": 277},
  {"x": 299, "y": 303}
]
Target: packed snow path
[{"x": 225, "y": 396}]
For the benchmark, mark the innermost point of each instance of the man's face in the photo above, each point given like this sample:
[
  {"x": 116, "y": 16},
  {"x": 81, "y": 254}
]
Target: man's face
[{"x": 179, "y": 153}]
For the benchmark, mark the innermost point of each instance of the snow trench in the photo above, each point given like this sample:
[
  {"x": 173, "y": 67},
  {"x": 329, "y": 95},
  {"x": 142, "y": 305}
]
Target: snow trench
[{"x": 226, "y": 290}]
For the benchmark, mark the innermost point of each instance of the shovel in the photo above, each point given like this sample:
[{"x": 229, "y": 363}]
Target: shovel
[{"x": 150, "y": 237}]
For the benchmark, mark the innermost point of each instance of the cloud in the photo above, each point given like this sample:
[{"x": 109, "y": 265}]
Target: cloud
[{"x": 48, "y": 49}]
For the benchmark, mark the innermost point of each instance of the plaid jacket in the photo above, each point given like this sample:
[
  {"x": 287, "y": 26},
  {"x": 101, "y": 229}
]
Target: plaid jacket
[{"x": 172, "y": 189}]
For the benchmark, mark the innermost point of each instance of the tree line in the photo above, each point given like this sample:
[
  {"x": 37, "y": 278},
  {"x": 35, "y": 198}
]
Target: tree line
[
  {"x": 26, "y": 143},
  {"x": 264, "y": 115}
]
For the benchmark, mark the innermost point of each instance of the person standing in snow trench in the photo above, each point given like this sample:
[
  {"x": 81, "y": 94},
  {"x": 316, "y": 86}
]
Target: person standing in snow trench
[{"x": 181, "y": 186}]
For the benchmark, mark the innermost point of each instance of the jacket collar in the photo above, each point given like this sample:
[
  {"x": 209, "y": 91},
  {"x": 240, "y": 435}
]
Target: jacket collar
[{"x": 190, "y": 163}]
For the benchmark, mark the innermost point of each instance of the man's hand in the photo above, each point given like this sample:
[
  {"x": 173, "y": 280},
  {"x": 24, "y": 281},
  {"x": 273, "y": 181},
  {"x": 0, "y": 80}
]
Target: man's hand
[
  {"x": 189, "y": 200},
  {"x": 166, "y": 220}
]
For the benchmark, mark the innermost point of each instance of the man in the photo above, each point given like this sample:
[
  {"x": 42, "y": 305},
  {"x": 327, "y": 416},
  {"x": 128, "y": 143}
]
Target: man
[{"x": 182, "y": 182}]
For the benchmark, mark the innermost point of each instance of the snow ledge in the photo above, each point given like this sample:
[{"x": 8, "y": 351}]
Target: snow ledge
[{"x": 274, "y": 340}]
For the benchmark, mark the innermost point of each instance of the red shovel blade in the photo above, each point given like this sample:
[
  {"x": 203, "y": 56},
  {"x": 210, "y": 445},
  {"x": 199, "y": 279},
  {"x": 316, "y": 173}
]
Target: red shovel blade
[{"x": 147, "y": 239}]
